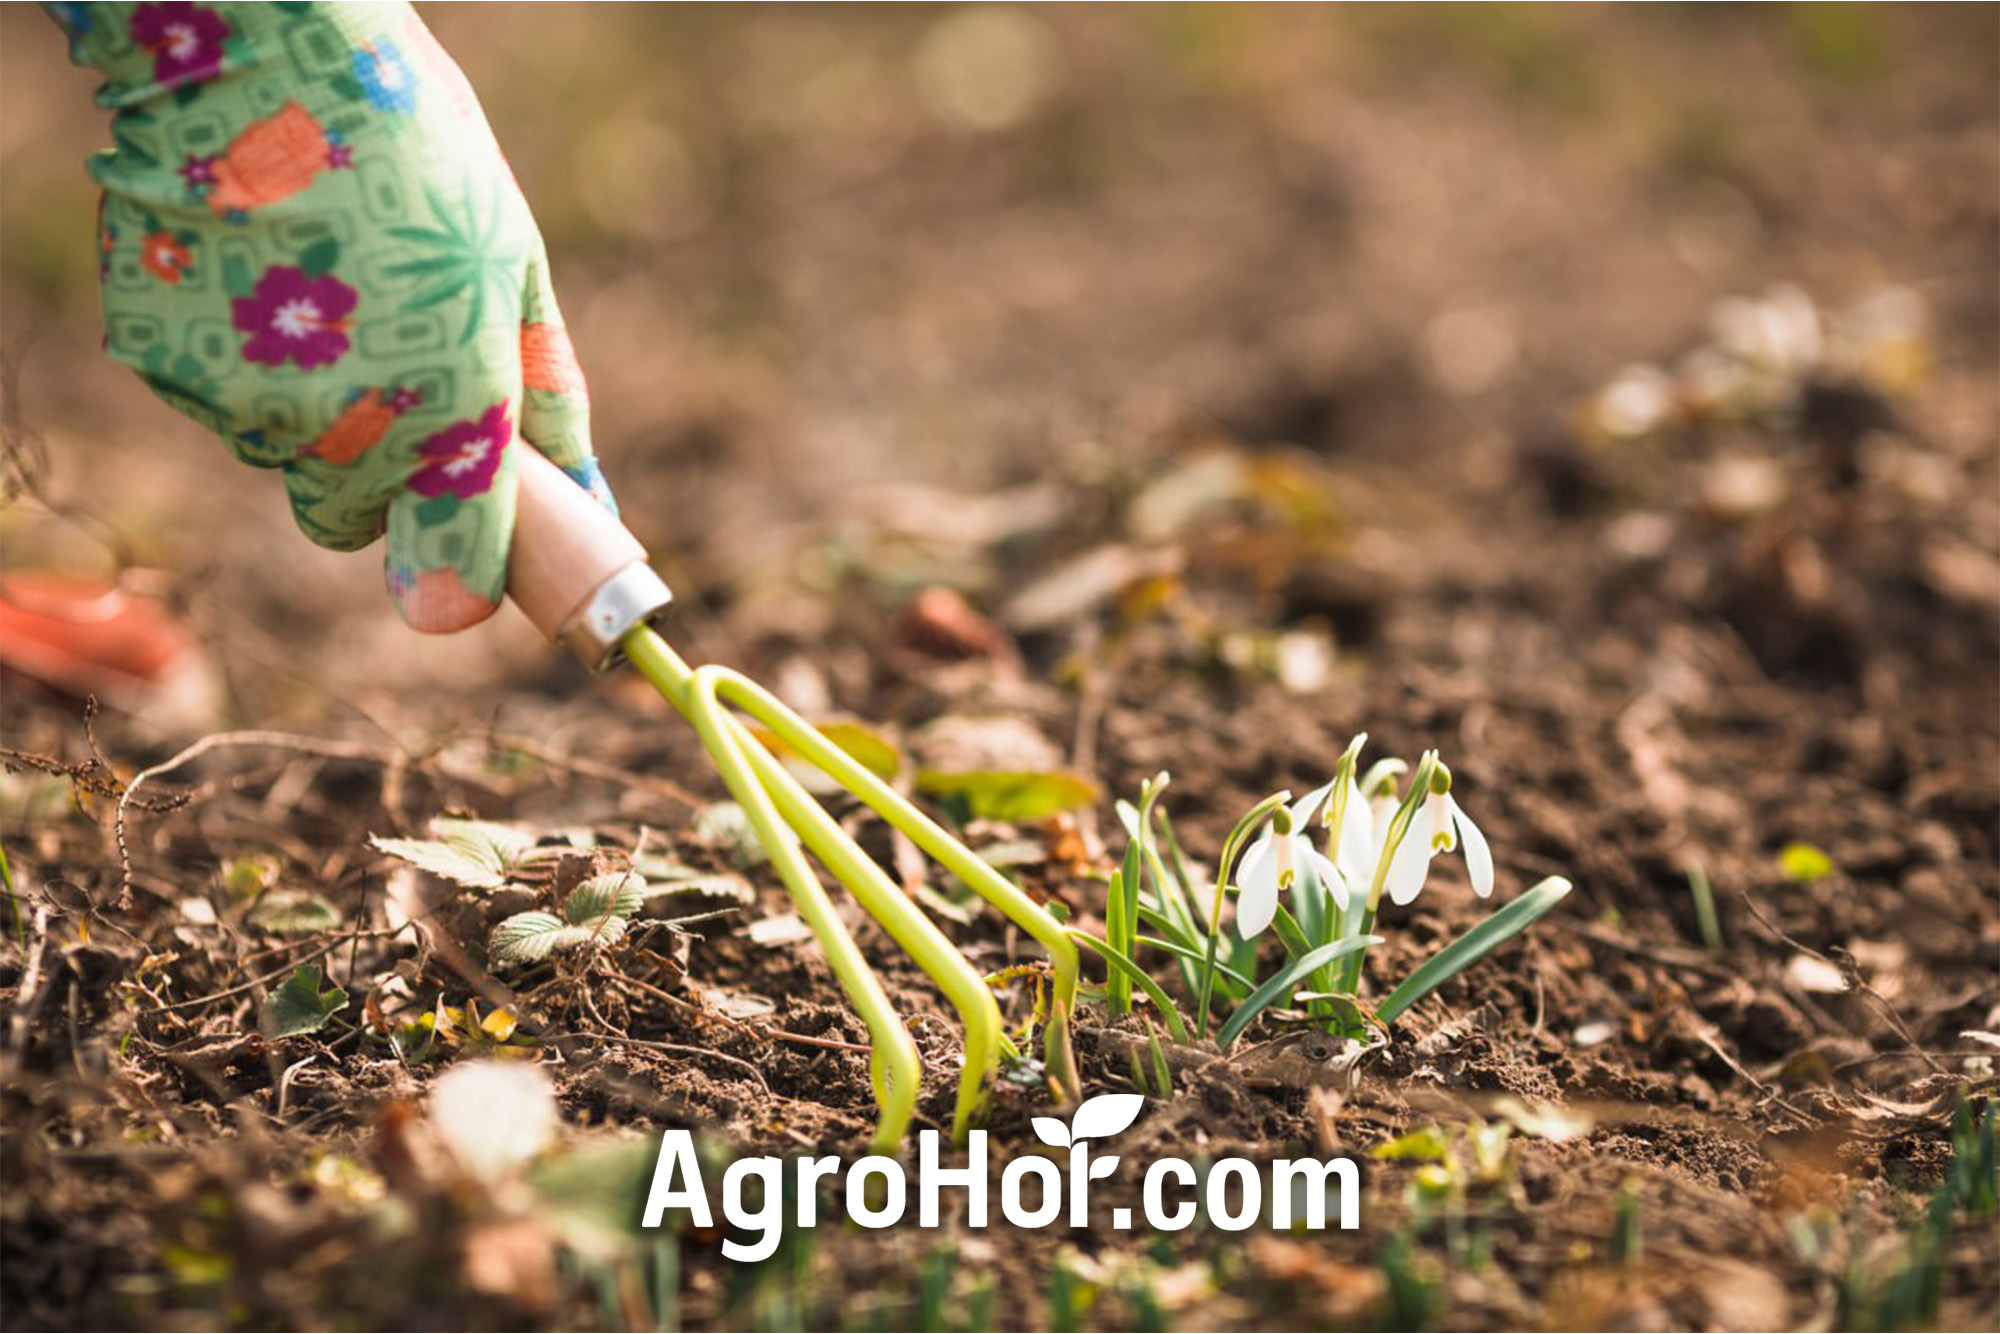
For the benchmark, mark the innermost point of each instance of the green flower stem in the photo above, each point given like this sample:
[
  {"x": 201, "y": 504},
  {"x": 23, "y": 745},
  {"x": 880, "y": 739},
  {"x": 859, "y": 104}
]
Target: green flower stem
[
  {"x": 699, "y": 695},
  {"x": 1245, "y": 827}
]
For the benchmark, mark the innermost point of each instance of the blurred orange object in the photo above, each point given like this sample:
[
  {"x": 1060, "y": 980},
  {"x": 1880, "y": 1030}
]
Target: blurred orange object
[{"x": 93, "y": 637}]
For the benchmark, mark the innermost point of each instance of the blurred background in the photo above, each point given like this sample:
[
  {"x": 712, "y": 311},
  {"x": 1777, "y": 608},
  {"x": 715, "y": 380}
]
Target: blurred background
[{"x": 829, "y": 267}]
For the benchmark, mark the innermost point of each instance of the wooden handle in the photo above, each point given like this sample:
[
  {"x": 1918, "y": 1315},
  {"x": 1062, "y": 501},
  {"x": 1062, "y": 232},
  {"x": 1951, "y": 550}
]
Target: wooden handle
[{"x": 571, "y": 557}]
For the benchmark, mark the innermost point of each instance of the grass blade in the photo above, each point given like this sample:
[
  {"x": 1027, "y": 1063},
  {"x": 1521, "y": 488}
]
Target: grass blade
[
  {"x": 1116, "y": 959},
  {"x": 1194, "y": 953},
  {"x": 1474, "y": 945},
  {"x": 1261, "y": 998}
]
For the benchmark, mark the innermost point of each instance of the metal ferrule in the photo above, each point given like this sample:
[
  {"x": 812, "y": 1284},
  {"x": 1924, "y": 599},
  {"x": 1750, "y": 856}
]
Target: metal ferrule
[{"x": 631, "y": 597}]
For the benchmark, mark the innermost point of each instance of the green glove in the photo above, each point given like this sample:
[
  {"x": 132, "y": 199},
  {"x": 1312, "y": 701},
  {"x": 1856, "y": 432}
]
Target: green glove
[{"x": 312, "y": 245}]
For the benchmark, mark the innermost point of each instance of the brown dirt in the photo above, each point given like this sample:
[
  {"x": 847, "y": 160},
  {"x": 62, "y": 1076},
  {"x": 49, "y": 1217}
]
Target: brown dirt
[{"x": 1382, "y": 257}]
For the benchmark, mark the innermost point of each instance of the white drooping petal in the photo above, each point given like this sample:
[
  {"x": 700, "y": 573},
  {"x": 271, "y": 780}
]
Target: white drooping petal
[
  {"x": 1478, "y": 856},
  {"x": 1307, "y": 808},
  {"x": 1412, "y": 864},
  {"x": 1358, "y": 852},
  {"x": 1328, "y": 875},
  {"x": 1258, "y": 879}
]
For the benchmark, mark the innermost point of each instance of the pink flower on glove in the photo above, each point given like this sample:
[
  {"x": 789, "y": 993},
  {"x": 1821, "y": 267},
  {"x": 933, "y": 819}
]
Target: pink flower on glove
[
  {"x": 291, "y": 317},
  {"x": 464, "y": 455},
  {"x": 185, "y": 39}
]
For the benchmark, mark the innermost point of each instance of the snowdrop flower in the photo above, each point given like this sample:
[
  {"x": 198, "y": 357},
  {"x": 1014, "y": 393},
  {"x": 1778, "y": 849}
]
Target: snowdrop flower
[
  {"x": 1439, "y": 826},
  {"x": 1273, "y": 863},
  {"x": 1364, "y": 824}
]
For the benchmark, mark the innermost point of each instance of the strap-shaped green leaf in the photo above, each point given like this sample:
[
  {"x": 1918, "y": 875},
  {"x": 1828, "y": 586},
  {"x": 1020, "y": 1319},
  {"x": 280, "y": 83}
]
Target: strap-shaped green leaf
[
  {"x": 1196, "y": 955},
  {"x": 1116, "y": 959},
  {"x": 1277, "y": 986},
  {"x": 1474, "y": 945}
]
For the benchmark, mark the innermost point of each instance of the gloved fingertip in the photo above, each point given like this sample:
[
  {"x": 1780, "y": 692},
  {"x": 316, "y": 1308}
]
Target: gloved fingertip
[{"x": 437, "y": 602}]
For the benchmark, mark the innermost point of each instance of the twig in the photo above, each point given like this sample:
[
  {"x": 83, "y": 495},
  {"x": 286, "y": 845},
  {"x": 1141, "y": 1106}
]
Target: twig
[
  {"x": 274, "y": 975},
  {"x": 1852, "y": 974},
  {"x": 1706, "y": 1036},
  {"x": 609, "y": 773},
  {"x": 334, "y": 750},
  {"x": 28, "y": 995}
]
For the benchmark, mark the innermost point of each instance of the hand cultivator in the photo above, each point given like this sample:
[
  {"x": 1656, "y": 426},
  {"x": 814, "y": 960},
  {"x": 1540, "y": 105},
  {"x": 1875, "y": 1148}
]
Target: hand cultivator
[{"x": 583, "y": 580}]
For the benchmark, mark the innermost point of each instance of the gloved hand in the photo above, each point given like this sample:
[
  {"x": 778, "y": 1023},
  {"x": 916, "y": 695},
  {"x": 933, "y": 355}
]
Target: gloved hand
[{"x": 312, "y": 245}]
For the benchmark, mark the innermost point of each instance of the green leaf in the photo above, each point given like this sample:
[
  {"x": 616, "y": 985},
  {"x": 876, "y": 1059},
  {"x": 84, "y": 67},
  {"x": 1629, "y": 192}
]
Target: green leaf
[
  {"x": 347, "y": 86},
  {"x": 294, "y": 912},
  {"x": 237, "y": 279},
  {"x": 1474, "y": 945},
  {"x": 319, "y": 258},
  {"x": 618, "y": 894},
  {"x": 1009, "y": 795},
  {"x": 530, "y": 937},
  {"x": 300, "y": 1006},
  {"x": 1117, "y": 960},
  {"x": 1171, "y": 927},
  {"x": 1195, "y": 955},
  {"x": 471, "y": 852},
  {"x": 1286, "y": 979},
  {"x": 1803, "y": 861},
  {"x": 1428, "y": 1145}
]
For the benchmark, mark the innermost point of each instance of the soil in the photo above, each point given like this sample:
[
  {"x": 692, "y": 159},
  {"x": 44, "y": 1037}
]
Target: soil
[{"x": 1236, "y": 392}]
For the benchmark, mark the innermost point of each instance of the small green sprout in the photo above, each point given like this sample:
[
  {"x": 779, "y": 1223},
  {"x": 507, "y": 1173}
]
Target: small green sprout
[{"x": 1704, "y": 909}]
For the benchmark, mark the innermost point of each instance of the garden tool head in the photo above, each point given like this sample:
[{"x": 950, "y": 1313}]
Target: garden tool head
[{"x": 582, "y": 579}]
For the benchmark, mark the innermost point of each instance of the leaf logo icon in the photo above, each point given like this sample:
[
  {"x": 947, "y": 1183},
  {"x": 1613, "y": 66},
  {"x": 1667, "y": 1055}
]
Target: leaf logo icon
[{"x": 1097, "y": 1118}]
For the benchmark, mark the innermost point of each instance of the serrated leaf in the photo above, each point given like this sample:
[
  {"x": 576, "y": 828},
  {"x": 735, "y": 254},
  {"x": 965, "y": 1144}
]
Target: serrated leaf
[
  {"x": 1105, "y": 1115},
  {"x": 471, "y": 852},
  {"x": 300, "y": 1005},
  {"x": 530, "y": 937},
  {"x": 616, "y": 894},
  {"x": 1051, "y": 1131},
  {"x": 1015, "y": 796},
  {"x": 294, "y": 912}
]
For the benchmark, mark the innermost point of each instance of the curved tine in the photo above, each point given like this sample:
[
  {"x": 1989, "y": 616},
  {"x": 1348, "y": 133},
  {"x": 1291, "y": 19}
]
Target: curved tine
[
  {"x": 925, "y": 832},
  {"x": 887, "y": 904},
  {"x": 894, "y": 1066}
]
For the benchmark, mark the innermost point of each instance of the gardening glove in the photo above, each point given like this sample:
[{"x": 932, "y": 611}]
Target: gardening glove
[{"x": 311, "y": 244}]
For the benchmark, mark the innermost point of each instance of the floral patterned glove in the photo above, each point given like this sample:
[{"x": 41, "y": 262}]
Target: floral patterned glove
[{"x": 312, "y": 245}]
